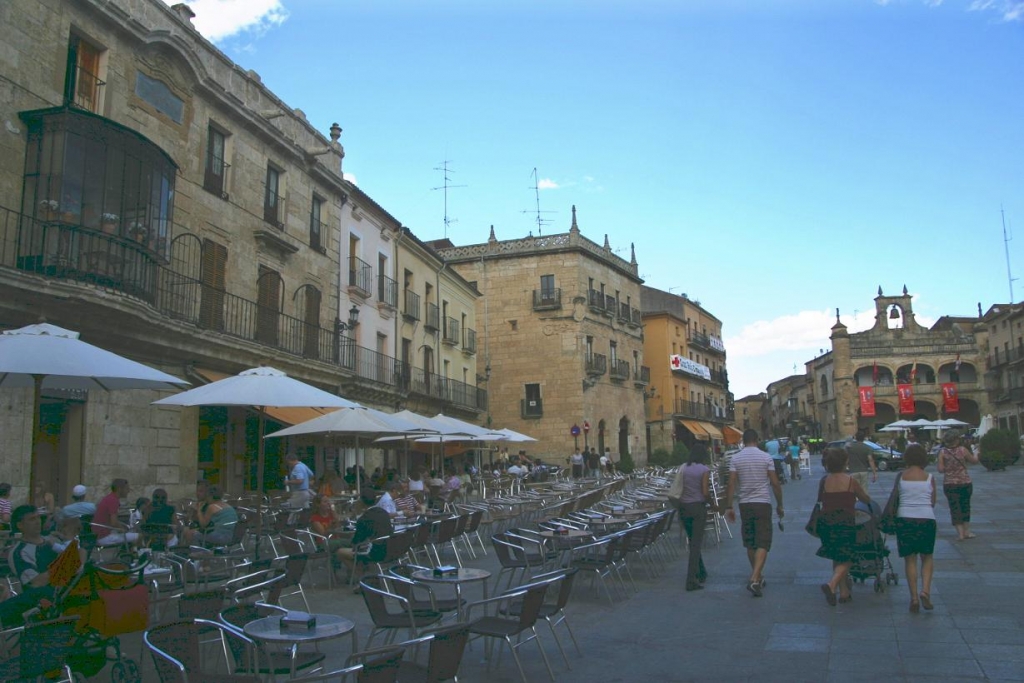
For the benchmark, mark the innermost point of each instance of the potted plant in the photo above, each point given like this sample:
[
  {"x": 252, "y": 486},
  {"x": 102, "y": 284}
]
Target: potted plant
[
  {"x": 48, "y": 208},
  {"x": 108, "y": 222},
  {"x": 999, "y": 449},
  {"x": 138, "y": 231}
]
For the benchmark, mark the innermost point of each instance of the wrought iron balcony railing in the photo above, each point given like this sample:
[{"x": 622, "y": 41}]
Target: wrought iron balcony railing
[
  {"x": 619, "y": 369},
  {"x": 469, "y": 340},
  {"x": 450, "y": 334},
  {"x": 412, "y": 305},
  {"x": 360, "y": 275},
  {"x": 596, "y": 364},
  {"x": 433, "y": 320},
  {"x": 547, "y": 299},
  {"x": 387, "y": 291}
]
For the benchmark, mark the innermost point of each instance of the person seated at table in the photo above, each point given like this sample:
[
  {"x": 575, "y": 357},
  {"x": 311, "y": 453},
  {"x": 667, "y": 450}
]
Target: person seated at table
[
  {"x": 452, "y": 484},
  {"x": 407, "y": 503},
  {"x": 374, "y": 523},
  {"x": 416, "y": 480},
  {"x": 138, "y": 512},
  {"x": 392, "y": 491},
  {"x": 157, "y": 523},
  {"x": 107, "y": 524},
  {"x": 68, "y": 528},
  {"x": 5, "y": 505},
  {"x": 216, "y": 521},
  {"x": 517, "y": 470},
  {"x": 325, "y": 522}
]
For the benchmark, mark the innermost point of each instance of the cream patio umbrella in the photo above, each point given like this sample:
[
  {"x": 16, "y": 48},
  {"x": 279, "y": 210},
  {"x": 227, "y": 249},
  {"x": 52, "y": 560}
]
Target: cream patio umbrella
[
  {"x": 260, "y": 388},
  {"x": 45, "y": 356}
]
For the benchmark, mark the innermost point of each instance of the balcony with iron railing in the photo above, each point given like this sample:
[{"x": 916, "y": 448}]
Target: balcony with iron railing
[
  {"x": 707, "y": 342},
  {"x": 595, "y": 299},
  {"x": 318, "y": 235},
  {"x": 450, "y": 334},
  {"x": 596, "y": 364},
  {"x": 469, "y": 340},
  {"x": 120, "y": 265},
  {"x": 624, "y": 312},
  {"x": 433, "y": 319},
  {"x": 702, "y": 410},
  {"x": 634, "y": 318},
  {"x": 215, "y": 177},
  {"x": 412, "y": 305},
  {"x": 547, "y": 299},
  {"x": 387, "y": 291},
  {"x": 1002, "y": 357},
  {"x": 273, "y": 208},
  {"x": 642, "y": 376},
  {"x": 360, "y": 276},
  {"x": 610, "y": 305},
  {"x": 530, "y": 409},
  {"x": 720, "y": 377},
  {"x": 88, "y": 89},
  {"x": 619, "y": 370}
]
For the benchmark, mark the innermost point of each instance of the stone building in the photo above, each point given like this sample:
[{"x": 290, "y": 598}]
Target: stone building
[
  {"x": 561, "y": 340},
  {"x": 160, "y": 200},
  {"x": 748, "y": 411},
  {"x": 689, "y": 399},
  {"x": 898, "y": 351},
  {"x": 788, "y": 409},
  {"x": 1004, "y": 365}
]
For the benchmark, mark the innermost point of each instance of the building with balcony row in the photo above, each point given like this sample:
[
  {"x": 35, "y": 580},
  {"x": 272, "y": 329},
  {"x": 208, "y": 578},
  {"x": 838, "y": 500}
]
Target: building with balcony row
[
  {"x": 162, "y": 201},
  {"x": 689, "y": 399},
  {"x": 1004, "y": 364},
  {"x": 562, "y": 340}
]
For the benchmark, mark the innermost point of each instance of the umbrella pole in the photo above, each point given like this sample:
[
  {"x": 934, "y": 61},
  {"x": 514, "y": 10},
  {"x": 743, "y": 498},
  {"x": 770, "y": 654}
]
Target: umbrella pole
[
  {"x": 359, "y": 486},
  {"x": 260, "y": 462},
  {"x": 37, "y": 394}
]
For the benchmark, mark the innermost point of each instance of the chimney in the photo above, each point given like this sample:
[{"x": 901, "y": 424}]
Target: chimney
[{"x": 184, "y": 12}]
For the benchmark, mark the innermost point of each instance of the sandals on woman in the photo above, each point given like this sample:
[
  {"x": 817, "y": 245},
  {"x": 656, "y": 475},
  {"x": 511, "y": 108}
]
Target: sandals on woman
[
  {"x": 830, "y": 596},
  {"x": 926, "y": 601}
]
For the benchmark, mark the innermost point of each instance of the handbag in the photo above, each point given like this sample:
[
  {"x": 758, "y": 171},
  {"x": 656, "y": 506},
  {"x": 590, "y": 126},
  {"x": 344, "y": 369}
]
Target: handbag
[
  {"x": 675, "y": 491},
  {"x": 812, "y": 522},
  {"x": 887, "y": 522}
]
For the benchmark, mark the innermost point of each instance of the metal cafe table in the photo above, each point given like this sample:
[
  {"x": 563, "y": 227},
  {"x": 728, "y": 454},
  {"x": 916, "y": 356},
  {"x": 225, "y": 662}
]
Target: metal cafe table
[
  {"x": 464, "y": 575},
  {"x": 327, "y": 626}
]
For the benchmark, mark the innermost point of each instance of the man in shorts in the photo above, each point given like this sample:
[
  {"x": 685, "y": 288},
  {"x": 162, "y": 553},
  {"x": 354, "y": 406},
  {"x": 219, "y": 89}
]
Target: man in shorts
[
  {"x": 861, "y": 460},
  {"x": 751, "y": 472}
]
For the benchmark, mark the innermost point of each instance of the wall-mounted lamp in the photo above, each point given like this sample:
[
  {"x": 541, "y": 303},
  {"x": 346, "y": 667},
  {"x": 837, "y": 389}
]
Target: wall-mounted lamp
[
  {"x": 353, "y": 320},
  {"x": 650, "y": 392}
]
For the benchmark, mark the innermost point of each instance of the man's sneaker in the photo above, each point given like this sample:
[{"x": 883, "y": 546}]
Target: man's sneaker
[{"x": 755, "y": 589}]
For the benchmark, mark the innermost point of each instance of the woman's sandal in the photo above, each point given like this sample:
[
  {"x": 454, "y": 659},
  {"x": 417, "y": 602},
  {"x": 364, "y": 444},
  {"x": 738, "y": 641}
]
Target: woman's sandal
[
  {"x": 830, "y": 597},
  {"x": 926, "y": 601},
  {"x": 915, "y": 607},
  {"x": 843, "y": 601}
]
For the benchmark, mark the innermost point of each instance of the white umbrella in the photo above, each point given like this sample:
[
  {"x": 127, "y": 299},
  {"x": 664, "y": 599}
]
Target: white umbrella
[
  {"x": 355, "y": 422},
  {"x": 513, "y": 435},
  {"x": 951, "y": 422},
  {"x": 46, "y": 356},
  {"x": 892, "y": 428},
  {"x": 900, "y": 424},
  {"x": 921, "y": 423},
  {"x": 481, "y": 433},
  {"x": 261, "y": 388}
]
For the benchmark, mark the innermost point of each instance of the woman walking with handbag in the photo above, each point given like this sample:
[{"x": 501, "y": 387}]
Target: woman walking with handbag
[
  {"x": 956, "y": 484},
  {"x": 838, "y": 493},
  {"x": 694, "y": 478},
  {"x": 915, "y": 525}
]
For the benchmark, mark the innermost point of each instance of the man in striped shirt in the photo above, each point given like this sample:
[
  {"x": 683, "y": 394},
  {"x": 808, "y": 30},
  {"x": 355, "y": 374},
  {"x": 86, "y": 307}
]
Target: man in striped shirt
[{"x": 751, "y": 472}]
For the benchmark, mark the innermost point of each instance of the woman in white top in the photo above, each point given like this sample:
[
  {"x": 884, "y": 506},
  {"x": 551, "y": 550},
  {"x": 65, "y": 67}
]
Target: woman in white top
[{"x": 915, "y": 524}]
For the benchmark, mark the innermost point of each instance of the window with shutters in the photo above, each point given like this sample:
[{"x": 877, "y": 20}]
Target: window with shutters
[
  {"x": 273, "y": 198},
  {"x": 83, "y": 84},
  {"x": 270, "y": 292},
  {"x": 215, "y": 176},
  {"x": 214, "y": 266},
  {"x": 308, "y": 300}
]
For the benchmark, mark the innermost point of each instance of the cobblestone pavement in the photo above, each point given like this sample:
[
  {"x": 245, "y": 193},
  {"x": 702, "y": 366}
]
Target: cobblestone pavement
[{"x": 662, "y": 633}]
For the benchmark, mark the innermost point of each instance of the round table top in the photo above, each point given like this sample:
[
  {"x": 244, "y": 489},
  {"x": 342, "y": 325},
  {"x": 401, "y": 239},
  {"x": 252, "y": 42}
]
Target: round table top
[
  {"x": 609, "y": 520},
  {"x": 573, "y": 533},
  {"x": 464, "y": 574},
  {"x": 327, "y": 626}
]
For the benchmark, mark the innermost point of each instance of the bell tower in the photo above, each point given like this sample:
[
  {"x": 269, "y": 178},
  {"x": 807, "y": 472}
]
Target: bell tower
[{"x": 890, "y": 310}]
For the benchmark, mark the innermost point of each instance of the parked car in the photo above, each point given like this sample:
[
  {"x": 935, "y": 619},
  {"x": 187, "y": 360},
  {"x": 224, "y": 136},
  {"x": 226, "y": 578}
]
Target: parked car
[{"x": 885, "y": 458}]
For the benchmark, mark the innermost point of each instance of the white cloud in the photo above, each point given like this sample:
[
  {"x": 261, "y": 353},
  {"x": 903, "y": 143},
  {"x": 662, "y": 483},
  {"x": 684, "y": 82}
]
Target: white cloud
[
  {"x": 220, "y": 19},
  {"x": 546, "y": 184},
  {"x": 1009, "y": 10},
  {"x": 351, "y": 177},
  {"x": 769, "y": 350}
]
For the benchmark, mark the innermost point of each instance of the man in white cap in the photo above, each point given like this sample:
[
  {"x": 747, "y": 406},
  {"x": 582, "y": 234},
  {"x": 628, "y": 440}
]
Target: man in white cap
[{"x": 78, "y": 507}]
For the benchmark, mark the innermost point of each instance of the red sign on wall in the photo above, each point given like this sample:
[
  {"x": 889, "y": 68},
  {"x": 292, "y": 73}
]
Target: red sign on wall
[
  {"x": 906, "y": 394},
  {"x": 950, "y": 397},
  {"x": 867, "y": 401}
]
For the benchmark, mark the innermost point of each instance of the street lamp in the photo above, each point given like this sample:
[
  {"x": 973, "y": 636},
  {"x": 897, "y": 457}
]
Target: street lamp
[{"x": 340, "y": 326}]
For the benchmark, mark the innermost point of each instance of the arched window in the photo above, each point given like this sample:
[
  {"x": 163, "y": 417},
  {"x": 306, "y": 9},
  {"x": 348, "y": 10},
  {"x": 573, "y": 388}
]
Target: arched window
[{"x": 824, "y": 386}]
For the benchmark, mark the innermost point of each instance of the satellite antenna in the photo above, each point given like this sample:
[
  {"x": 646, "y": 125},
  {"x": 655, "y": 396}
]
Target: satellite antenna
[
  {"x": 445, "y": 171},
  {"x": 1006, "y": 247},
  {"x": 541, "y": 222}
]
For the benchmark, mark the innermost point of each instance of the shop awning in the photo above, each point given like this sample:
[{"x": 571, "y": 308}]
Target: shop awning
[
  {"x": 286, "y": 416},
  {"x": 712, "y": 431},
  {"x": 732, "y": 435},
  {"x": 695, "y": 429}
]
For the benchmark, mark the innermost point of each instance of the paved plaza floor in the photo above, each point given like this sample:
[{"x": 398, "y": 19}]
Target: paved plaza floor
[{"x": 722, "y": 633}]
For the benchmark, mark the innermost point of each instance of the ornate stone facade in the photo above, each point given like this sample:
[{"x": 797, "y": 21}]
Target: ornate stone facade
[
  {"x": 561, "y": 340},
  {"x": 897, "y": 350}
]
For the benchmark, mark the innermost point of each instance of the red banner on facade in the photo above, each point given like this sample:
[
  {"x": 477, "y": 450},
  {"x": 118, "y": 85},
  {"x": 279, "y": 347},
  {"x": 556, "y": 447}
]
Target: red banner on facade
[
  {"x": 906, "y": 394},
  {"x": 867, "y": 401},
  {"x": 950, "y": 397}
]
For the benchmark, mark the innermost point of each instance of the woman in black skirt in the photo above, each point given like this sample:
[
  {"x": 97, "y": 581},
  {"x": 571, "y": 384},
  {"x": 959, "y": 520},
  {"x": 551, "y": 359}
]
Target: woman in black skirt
[
  {"x": 836, "y": 529},
  {"x": 915, "y": 525}
]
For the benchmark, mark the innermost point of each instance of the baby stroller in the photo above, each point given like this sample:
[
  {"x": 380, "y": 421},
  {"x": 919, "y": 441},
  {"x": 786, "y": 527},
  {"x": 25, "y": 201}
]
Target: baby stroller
[
  {"x": 871, "y": 556},
  {"x": 109, "y": 600}
]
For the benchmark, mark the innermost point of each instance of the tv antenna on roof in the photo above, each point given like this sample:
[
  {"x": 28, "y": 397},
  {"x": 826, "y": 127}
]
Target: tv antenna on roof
[
  {"x": 1006, "y": 247},
  {"x": 541, "y": 222},
  {"x": 446, "y": 186}
]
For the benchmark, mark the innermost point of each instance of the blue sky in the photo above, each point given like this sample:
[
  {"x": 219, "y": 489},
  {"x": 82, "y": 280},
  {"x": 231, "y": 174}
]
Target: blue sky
[{"x": 774, "y": 160}]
